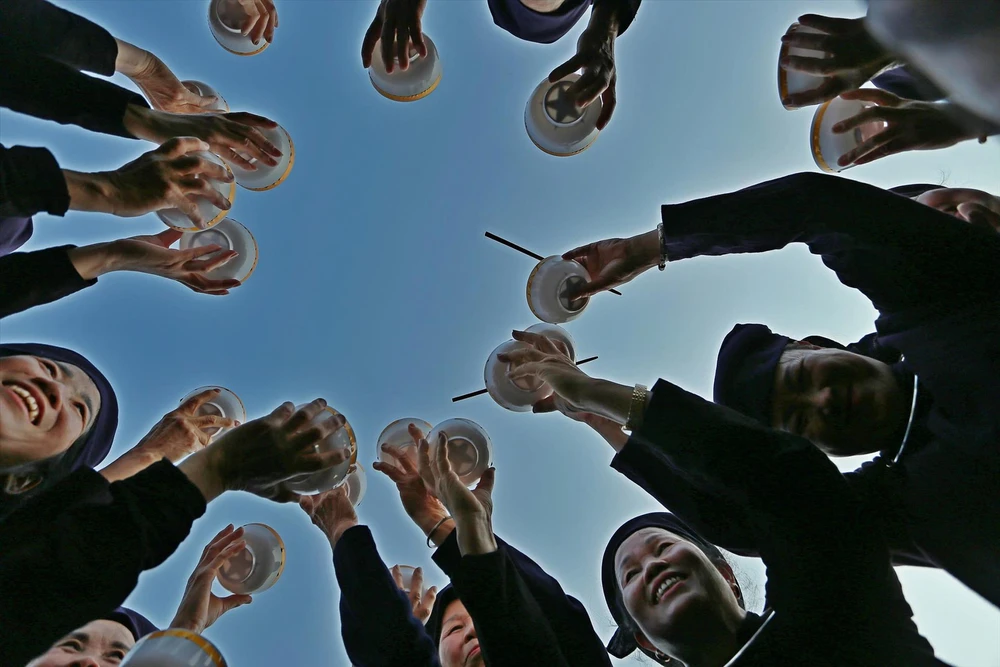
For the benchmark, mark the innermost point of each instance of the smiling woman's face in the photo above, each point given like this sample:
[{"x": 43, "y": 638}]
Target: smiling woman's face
[
  {"x": 97, "y": 644},
  {"x": 459, "y": 645},
  {"x": 45, "y": 406},
  {"x": 670, "y": 587}
]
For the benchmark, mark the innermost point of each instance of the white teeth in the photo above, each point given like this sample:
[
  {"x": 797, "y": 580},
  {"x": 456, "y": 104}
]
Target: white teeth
[
  {"x": 670, "y": 581},
  {"x": 29, "y": 401}
]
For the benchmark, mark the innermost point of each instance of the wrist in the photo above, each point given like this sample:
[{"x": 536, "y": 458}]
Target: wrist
[
  {"x": 338, "y": 531},
  {"x": 646, "y": 248},
  {"x": 139, "y": 121},
  {"x": 94, "y": 260},
  {"x": 181, "y": 623},
  {"x": 205, "y": 470},
  {"x": 607, "y": 399},
  {"x": 131, "y": 60},
  {"x": 475, "y": 535},
  {"x": 604, "y": 21},
  {"x": 89, "y": 191}
]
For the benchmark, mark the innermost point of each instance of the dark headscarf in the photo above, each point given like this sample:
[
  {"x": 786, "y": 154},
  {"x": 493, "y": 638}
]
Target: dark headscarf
[
  {"x": 623, "y": 642},
  {"x": 89, "y": 450},
  {"x": 744, "y": 372},
  {"x": 137, "y": 624},
  {"x": 445, "y": 597},
  {"x": 532, "y": 26}
]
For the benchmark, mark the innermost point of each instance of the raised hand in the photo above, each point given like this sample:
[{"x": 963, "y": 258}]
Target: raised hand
[
  {"x": 419, "y": 502},
  {"x": 595, "y": 55},
  {"x": 851, "y": 59},
  {"x": 973, "y": 206},
  {"x": 200, "y": 607},
  {"x": 153, "y": 255},
  {"x": 331, "y": 512},
  {"x": 910, "y": 126},
  {"x": 614, "y": 262},
  {"x": 547, "y": 362},
  {"x": 396, "y": 25},
  {"x": 421, "y": 601}
]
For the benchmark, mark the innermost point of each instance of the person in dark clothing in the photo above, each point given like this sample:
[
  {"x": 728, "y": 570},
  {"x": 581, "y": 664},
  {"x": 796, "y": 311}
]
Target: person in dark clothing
[
  {"x": 815, "y": 539},
  {"x": 85, "y": 541},
  {"x": 397, "y": 24},
  {"x": 934, "y": 280},
  {"x": 105, "y": 644},
  {"x": 31, "y": 279}
]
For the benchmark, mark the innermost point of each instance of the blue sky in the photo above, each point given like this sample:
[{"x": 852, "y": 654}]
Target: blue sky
[{"x": 376, "y": 289}]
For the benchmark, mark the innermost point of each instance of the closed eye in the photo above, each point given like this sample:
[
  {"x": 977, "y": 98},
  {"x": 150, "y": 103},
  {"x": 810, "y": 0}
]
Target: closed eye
[
  {"x": 629, "y": 575},
  {"x": 49, "y": 367},
  {"x": 73, "y": 644},
  {"x": 453, "y": 630}
]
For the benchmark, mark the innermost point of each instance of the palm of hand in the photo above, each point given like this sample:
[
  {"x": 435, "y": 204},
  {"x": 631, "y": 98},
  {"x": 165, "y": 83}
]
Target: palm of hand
[{"x": 165, "y": 91}]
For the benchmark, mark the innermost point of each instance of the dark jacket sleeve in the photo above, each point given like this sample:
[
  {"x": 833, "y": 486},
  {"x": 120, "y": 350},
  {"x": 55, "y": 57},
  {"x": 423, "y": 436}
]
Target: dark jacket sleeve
[
  {"x": 901, "y": 254},
  {"x": 29, "y": 279},
  {"x": 798, "y": 506},
  {"x": 48, "y": 89},
  {"x": 566, "y": 615},
  {"x": 41, "y": 28},
  {"x": 376, "y": 619},
  {"x": 78, "y": 549},
  {"x": 625, "y": 10},
  {"x": 511, "y": 627},
  {"x": 31, "y": 182}
]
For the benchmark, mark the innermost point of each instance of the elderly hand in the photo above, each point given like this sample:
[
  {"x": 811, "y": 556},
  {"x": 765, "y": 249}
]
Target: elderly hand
[
  {"x": 973, "y": 206},
  {"x": 545, "y": 361},
  {"x": 595, "y": 55},
  {"x": 163, "y": 90},
  {"x": 614, "y": 262},
  {"x": 331, "y": 512},
  {"x": 153, "y": 255},
  {"x": 232, "y": 136},
  {"x": 852, "y": 57},
  {"x": 200, "y": 607},
  {"x": 471, "y": 510},
  {"x": 422, "y": 602},
  {"x": 167, "y": 177},
  {"x": 183, "y": 431},
  {"x": 419, "y": 502},
  {"x": 910, "y": 126},
  {"x": 396, "y": 25},
  {"x": 259, "y": 455}
]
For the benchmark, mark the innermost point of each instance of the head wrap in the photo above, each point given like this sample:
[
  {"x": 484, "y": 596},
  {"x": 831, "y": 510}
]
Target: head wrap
[
  {"x": 623, "y": 643},
  {"x": 445, "y": 597},
  {"x": 744, "y": 372},
  {"x": 137, "y": 624},
  {"x": 90, "y": 449},
  {"x": 532, "y": 26}
]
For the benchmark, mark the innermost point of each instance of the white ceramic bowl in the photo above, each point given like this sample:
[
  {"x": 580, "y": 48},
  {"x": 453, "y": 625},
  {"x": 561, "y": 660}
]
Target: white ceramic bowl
[
  {"x": 259, "y": 565},
  {"x": 547, "y": 285},
  {"x": 471, "y": 449},
  {"x": 407, "y": 572},
  {"x": 357, "y": 484},
  {"x": 828, "y": 147},
  {"x": 790, "y": 81},
  {"x": 210, "y": 213},
  {"x": 226, "y": 404},
  {"x": 555, "y": 124},
  {"x": 398, "y": 435},
  {"x": 223, "y": 19},
  {"x": 230, "y": 235},
  {"x": 174, "y": 648},
  {"x": 343, "y": 438},
  {"x": 205, "y": 90},
  {"x": 416, "y": 82},
  {"x": 265, "y": 177},
  {"x": 519, "y": 397}
]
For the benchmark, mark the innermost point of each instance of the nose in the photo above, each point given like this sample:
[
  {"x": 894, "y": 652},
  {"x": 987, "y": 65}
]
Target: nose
[
  {"x": 52, "y": 390},
  {"x": 821, "y": 400},
  {"x": 470, "y": 633},
  {"x": 85, "y": 661}
]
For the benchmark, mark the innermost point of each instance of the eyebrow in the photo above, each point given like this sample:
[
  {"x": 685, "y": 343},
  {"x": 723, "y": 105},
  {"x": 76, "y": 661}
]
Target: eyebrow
[
  {"x": 451, "y": 618},
  {"x": 82, "y": 637},
  {"x": 121, "y": 646},
  {"x": 72, "y": 375}
]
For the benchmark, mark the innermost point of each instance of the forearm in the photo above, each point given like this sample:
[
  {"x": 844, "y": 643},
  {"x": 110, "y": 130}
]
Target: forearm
[
  {"x": 128, "y": 464},
  {"x": 131, "y": 60},
  {"x": 616, "y": 14},
  {"x": 475, "y": 535},
  {"x": 200, "y": 470}
]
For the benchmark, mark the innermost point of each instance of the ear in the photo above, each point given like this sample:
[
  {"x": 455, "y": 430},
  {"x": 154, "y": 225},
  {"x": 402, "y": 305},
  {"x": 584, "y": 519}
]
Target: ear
[
  {"x": 727, "y": 573},
  {"x": 17, "y": 483},
  {"x": 647, "y": 646}
]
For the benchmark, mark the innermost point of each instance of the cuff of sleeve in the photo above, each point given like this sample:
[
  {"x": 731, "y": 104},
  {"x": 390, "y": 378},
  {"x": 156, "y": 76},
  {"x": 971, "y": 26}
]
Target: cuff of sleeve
[
  {"x": 186, "y": 495},
  {"x": 447, "y": 556},
  {"x": 62, "y": 265},
  {"x": 353, "y": 539},
  {"x": 39, "y": 184},
  {"x": 473, "y": 571}
]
